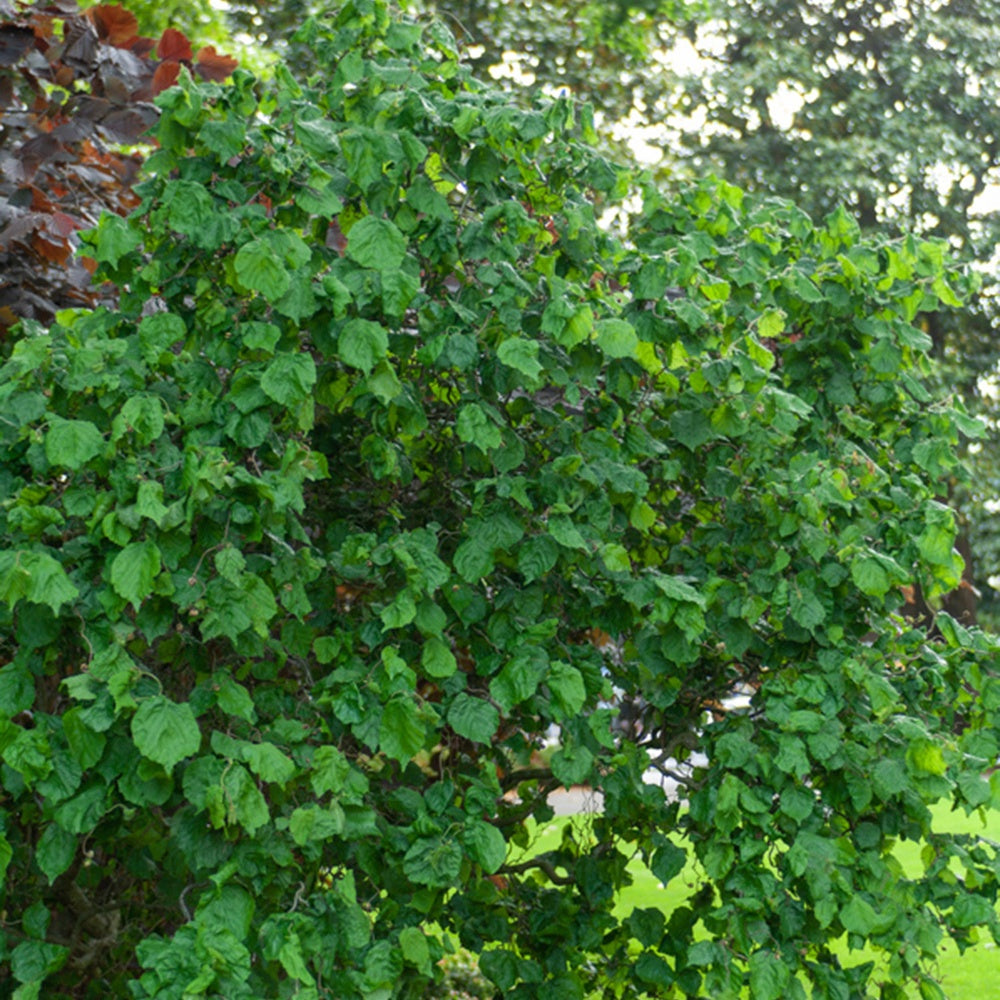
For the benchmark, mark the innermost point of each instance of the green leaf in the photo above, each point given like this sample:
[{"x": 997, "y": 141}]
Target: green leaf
[
  {"x": 114, "y": 239},
  {"x": 572, "y": 765},
  {"x": 230, "y": 563},
  {"x": 55, "y": 851},
  {"x": 414, "y": 948},
  {"x": 858, "y": 917},
  {"x": 692, "y": 428},
  {"x": 83, "y": 811},
  {"x": 376, "y": 243},
  {"x": 72, "y": 443},
  {"x": 668, "y": 862},
  {"x": 566, "y": 533},
  {"x": 473, "y": 718},
  {"x": 318, "y": 137},
  {"x": 679, "y": 590},
  {"x": 437, "y": 659},
  {"x": 32, "y": 961},
  {"x": 522, "y": 355},
  {"x": 362, "y": 344},
  {"x": 289, "y": 378},
  {"x": 299, "y": 302},
  {"x": 935, "y": 543},
  {"x": 260, "y": 269},
  {"x": 652, "y": 968},
  {"x": 805, "y": 607},
  {"x": 164, "y": 731},
  {"x": 520, "y": 677},
  {"x": 133, "y": 571},
  {"x": 6, "y": 854},
  {"x": 870, "y": 575},
  {"x": 926, "y": 757},
  {"x": 617, "y": 339},
  {"x": 158, "y": 333},
  {"x": 578, "y": 328},
  {"x": 36, "y": 577},
  {"x": 929, "y": 990},
  {"x": 143, "y": 414},
  {"x": 768, "y": 976},
  {"x": 190, "y": 209},
  {"x": 568, "y": 691},
  {"x": 972, "y": 910},
  {"x": 889, "y": 778},
  {"x": 401, "y": 731},
  {"x": 85, "y": 744},
  {"x": 314, "y": 823},
  {"x": 399, "y": 288},
  {"x": 771, "y": 323},
  {"x": 240, "y": 801},
  {"x": 536, "y": 557},
  {"x": 433, "y": 861},
  {"x": 616, "y": 558},
  {"x": 329, "y": 771},
  {"x": 485, "y": 844},
  {"x": 473, "y": 560},
  {"x": 268, "y": 762},
  {"x": 472, "y": 425},
  {"x": 149, "y": 502},
  {"x": 716, "y": 291}
]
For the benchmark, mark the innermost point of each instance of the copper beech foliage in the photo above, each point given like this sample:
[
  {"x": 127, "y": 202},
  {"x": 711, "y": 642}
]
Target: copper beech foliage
[{"x": 76, "y": 91}]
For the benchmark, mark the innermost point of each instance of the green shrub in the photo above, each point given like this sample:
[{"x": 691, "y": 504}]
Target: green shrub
[{"x": 390, "y": 459}]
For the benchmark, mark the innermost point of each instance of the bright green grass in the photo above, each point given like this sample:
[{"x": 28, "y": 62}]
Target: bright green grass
[{"x": 972, "y": 976}]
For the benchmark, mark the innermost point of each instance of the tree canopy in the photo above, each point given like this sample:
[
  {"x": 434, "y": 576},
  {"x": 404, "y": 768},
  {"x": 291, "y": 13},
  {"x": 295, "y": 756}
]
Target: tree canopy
[
  {"x": 388, "y": 459},
  {"x": 893, "y": 112}
]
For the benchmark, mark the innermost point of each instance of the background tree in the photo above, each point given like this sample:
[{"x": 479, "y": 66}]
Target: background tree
[
  {"x": 893, "y": 112},
  {"x": 308, "y": 541}
]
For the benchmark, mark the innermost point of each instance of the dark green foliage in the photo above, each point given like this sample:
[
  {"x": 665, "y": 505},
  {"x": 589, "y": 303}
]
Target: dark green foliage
[{"x": 389, "y": 459}]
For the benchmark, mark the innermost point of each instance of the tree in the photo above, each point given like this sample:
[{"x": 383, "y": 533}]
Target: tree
[
  {"x": 600, "y": 52},
  {"x": 387, "y": 459},
  {"x": 75, "y": 88},
  {"x": 894, "y": 113}
]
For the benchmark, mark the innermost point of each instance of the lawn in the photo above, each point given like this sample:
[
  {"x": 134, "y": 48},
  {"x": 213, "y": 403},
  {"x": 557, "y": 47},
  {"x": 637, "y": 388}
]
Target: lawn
[{"x": 963, "y": 977}]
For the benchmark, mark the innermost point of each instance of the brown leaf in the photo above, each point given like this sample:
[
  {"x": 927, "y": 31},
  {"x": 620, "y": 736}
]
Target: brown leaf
[
  {"x": 80, "y": 47},
  {"x": 174, "y": 45},
  {"x": 15, "y": 40},
  {"x": 39, "y": 200},
  {"x": 114, "y": 24},
  {"x": 20, "y": 227},
  {"x": 141, "y": 46},
  {"x": 212, "y": 65},
  {"x": 57, "y": 252},
  {"x": 165, "y": 76},
  {"x": 128, "y": 124},
  {"x": 64, "y": 224},
  {"x": 35, "y": 151}
]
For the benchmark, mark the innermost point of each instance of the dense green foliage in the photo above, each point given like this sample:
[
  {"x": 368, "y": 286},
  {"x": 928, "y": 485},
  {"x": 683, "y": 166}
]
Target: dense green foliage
[
  {"x": 388, "y": 460},
  {"x": 892, "y": 111}
]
